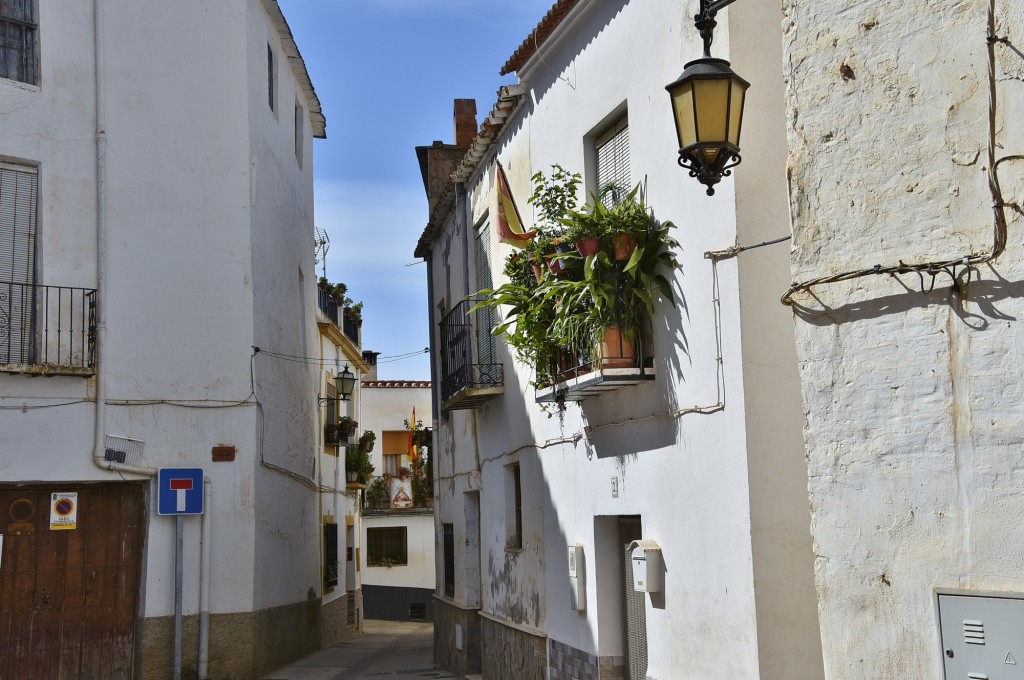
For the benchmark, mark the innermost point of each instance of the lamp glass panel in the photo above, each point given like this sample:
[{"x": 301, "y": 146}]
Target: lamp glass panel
[
  {"x": 739, "y": 91},
  {"x": 712, "y": 97},
  {"x": 682, "y": 105}
]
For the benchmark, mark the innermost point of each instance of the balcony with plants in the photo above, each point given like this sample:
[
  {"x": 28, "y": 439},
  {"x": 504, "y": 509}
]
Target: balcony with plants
[
  {"x": 580, "y": 297},
  {"x": 47, "y": 330},
  {"x": 407, "y": 489},
  {"x": 341, "y": 310}
]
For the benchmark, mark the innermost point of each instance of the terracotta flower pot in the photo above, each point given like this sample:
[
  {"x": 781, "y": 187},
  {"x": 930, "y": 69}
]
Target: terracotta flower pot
[
  {"x": 624, "y": 245},
  {"x": 588, "y": 246},
  {"x": 617, "y": 351}
]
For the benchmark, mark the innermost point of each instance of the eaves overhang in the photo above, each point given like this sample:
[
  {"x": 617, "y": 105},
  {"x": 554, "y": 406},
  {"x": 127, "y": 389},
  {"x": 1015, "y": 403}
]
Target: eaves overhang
[
  {"x": 317, "y": 120},
  {"x": 331, "y": 331},
  {"x": 540, "y": 35},
  {"x": 510, "y": 98}
]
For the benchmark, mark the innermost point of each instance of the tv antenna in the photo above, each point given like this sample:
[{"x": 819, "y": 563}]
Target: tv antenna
[{"x": 321, "y": 244}]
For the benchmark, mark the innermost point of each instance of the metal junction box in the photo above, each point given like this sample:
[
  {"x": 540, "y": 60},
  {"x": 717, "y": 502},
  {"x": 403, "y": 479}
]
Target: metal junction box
[{"x": 982, "y": 636}]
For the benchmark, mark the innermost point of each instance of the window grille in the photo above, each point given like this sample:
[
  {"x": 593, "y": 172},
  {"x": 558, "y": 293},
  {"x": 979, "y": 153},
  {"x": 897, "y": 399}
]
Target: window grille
[
  {"x": 19, "y": 28},
  {"x": 486, "y": 352},
  {"x": 448, "y": 537},
  {"x": 386, "y": 547},
  {"x": 330, "y": 554}
]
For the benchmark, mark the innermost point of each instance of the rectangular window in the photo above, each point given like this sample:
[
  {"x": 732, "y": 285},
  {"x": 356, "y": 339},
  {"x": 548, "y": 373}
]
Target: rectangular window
[
  {"x": 611, "y": 149},
  {"x": 386, "y": 547},
  {"x": 19, "y": 49},
  {"x": 448, "y": 538},
  {"x": 486, "y": 348},
  {"x": 18, "y": 195},
  {"x": 392, "y": 461},
  {"x": 513, "y": 508},
  {"x": 271, "y": 80},
  {"x": 299, "y": 127},
  {"x": 330, "y": 554}
]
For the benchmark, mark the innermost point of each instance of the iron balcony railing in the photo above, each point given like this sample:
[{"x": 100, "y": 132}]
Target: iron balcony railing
[
  {"x": 325, "y": 301},
  {"x": 48, "y": 327},
  {"x": 460, "y": 348},
  {"x": 329, "y": 306}
]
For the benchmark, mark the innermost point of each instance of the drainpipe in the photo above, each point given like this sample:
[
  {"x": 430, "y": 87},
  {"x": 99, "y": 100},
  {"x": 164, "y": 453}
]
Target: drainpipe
[
  {"x": 99, "y": 446},
  {"x": 205, "y": 548},
  {"x": 101, "y": 240}
]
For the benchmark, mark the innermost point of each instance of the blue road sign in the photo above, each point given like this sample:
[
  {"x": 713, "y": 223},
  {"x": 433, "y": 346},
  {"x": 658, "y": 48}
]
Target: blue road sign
[{"x": 180, "y": 491}]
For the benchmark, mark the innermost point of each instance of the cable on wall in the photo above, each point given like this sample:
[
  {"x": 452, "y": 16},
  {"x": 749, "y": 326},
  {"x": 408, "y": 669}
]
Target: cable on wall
[{"x": 954, "y": 268}]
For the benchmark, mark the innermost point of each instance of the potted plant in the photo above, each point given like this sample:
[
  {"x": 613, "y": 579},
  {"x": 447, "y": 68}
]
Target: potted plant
[
  {"x": 366, "y": 440},
  {"x": 353, "y": 461},
  {"x": 347, "y": 426},
  {"x": 366, "y": 468},
  {"x": 332, "y": 435},
  {"x": 377, "y": 493},
  {"x": 403, "y": 472}
]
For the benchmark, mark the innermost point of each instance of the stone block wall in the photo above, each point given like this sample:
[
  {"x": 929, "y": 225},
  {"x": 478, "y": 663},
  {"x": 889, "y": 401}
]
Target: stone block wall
[
  {"x": 512, "y": 654},
  {"x": 446, "y": 617},
  {"x": 565, "y": 662}
]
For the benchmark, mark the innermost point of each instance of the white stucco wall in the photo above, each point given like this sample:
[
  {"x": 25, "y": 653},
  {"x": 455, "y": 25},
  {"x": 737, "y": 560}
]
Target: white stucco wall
[
  {"x": 209, "y": 221},
  {"x": 689, "y": 477},
  {"x": 418, "y": 572},
  {"x": 912, "y": 428}
]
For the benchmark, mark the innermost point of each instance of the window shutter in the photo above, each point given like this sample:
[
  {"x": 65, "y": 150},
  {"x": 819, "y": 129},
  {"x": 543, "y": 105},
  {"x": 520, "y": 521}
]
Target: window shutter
[
  {"x": 612, "y": 150},
  {"x": 17, "y": 225}
]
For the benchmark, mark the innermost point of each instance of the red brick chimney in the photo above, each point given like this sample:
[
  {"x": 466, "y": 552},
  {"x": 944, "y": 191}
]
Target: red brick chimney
[{"x": 465, "y": 121}]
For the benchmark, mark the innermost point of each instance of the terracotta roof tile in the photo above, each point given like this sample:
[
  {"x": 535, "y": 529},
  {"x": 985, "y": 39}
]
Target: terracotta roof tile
[
  {"x": 396, "y": 383},
  {"x": 539, "y": 34}
]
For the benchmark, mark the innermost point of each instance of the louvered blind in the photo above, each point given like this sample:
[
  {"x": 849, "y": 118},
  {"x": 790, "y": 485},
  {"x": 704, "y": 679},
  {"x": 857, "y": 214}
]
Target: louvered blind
[
  {"x": 613, "y": 175},
  {"x": 17, "y": 224},
  {"x": 485, "y": 318}
]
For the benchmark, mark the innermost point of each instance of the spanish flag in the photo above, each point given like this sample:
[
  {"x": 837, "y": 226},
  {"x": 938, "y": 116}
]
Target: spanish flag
[{"x": 510, "y": 224}]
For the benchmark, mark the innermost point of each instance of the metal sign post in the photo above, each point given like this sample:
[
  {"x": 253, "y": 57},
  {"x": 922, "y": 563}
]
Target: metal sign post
[{"x": 179, "y": 493}]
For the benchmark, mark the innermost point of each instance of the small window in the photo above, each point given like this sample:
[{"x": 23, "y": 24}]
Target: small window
[
  {"x": 299, "y": 128},
  {"x": 386, "y": 547},
  {"x": 330, "y": 554},
  {"x": 448, "y": 537},
  {"x": 611, "y": 151},
  {"x": 271, "y": 77},
  {"x": 513, "y": 508},
  {"x": 19, "y": 49}
]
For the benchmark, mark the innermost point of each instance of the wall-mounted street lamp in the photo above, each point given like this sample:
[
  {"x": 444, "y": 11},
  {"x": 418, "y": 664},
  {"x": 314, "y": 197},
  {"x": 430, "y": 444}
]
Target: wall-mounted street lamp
[
  {"x": 707, "y": 103},
  {"x": 345, "y": 384}
]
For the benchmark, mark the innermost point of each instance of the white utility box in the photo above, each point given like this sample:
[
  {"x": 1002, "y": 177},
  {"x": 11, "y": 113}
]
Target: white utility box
[
  {"x": 577, "y": 583},
  {"x": 646, "y": 558}
]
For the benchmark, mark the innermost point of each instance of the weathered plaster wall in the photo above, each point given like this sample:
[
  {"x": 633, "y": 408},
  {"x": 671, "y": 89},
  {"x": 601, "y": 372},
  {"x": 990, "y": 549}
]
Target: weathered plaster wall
[{"x": 912, "y": 426}]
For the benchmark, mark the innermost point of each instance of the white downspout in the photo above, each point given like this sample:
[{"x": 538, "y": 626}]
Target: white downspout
[
  {"x": 99, "y": 447},
  {"x": 101, "y": 241},
  {"x": 205, "y": 548}
]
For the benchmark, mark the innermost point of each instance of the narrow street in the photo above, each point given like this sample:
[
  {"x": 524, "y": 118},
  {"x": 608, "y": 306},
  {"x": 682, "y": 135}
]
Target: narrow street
[{"x": 389, "y": 650}]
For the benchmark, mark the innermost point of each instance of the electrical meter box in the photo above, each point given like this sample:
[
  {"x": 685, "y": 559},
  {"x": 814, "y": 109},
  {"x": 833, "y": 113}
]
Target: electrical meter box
[
  {"x": 577, "y": 584},
  {"x": 982, "y": 636},
  {"x": 646, "y": 558}
]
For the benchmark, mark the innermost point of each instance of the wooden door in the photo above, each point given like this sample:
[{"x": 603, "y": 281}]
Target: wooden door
[{"x": 69, "y": 598}]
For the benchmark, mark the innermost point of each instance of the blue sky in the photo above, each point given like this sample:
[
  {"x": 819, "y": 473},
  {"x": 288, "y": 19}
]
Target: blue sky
[{"x": 387, "y": 72}]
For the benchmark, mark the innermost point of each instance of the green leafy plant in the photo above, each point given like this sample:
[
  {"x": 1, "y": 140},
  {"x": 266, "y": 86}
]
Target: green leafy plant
[
  {"x": 377, "y": 493},
  {"x": 366, "y": 440},
  {"x": 548, "y": 319}
]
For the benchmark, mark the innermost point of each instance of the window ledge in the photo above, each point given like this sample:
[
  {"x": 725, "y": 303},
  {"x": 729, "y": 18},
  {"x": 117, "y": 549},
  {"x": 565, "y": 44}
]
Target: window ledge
[{"x": 47, "y": 370}]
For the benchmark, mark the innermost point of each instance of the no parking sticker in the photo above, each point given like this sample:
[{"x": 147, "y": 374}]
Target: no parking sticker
[{"x": 63, "y": 510}]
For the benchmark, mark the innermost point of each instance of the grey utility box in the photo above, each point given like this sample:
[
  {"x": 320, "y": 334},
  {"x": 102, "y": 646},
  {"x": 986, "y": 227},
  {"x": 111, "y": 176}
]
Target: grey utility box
[{"x": 982, "y": 636}]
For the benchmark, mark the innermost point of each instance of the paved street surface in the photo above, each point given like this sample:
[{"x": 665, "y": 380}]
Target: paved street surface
[{"x": 385, "y": 650}]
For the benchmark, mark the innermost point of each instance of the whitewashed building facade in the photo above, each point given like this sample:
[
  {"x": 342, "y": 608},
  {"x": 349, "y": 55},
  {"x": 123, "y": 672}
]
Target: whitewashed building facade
[
  {"x": 156, "y": 206},
  {"x": 704, "y": 459},
  {"x": 906, "y": 134}
]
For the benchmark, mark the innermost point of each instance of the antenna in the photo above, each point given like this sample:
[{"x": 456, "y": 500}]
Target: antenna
[{"x": 321, "y": 244}]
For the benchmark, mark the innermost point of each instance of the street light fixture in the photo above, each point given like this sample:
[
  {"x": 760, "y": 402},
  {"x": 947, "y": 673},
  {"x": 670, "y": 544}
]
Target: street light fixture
[
  {"x": 707, "y": 105},
  {"x": 346, "y": 383}
]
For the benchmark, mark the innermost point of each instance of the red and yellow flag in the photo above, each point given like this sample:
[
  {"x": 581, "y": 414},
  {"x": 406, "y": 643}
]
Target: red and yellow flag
[{"x": 510, "y": 224}]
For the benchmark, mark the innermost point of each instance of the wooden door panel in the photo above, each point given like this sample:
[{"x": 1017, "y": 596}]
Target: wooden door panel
[{"x": 69, "y": 598}]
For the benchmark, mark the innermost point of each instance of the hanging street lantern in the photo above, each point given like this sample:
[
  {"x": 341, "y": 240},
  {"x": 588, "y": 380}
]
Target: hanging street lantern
[
  {"x": 346, "y": 383},
  {"x": 707, "y": 106}
]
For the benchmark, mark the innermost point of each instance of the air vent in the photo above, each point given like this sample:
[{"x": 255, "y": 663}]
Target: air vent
[
  {"x": 123, "y": 450},
  {"x": 417, "y": 611},
  {"x": 974, "y": 632}
]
